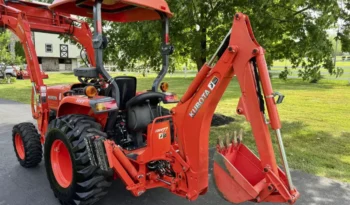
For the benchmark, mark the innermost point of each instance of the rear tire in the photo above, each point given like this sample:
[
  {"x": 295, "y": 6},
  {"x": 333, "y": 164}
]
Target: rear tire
[
  {"x": 85, "y": 184},
  {"x": 27, "y": 145}
]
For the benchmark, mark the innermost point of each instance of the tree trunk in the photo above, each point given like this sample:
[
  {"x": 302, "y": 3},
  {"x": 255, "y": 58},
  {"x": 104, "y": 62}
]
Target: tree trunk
[
  {"x": 203, "y": 49},
  {"x": 3, "y": 72}
]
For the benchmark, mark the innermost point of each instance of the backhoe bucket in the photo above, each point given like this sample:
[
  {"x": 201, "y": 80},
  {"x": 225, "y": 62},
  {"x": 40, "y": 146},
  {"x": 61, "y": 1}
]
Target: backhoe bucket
[
  {"x": 240, "y": 177},
  {"x": 238, "y": 174}
]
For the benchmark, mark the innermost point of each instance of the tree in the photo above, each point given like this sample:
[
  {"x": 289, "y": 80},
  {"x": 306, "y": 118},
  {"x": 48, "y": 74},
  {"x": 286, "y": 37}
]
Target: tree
[
  {"x": 19, "y": 51},
  {"x": 344, "y": 33},
  {"x": 294, "y": 30},
  {"x": 6, "y": 58}
]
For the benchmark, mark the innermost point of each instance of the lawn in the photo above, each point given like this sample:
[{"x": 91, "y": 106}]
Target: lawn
[{"x": 315, "y": 119}]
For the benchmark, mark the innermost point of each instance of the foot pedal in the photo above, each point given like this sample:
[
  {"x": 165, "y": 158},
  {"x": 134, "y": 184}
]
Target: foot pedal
[{"x": 97, "y": 152}]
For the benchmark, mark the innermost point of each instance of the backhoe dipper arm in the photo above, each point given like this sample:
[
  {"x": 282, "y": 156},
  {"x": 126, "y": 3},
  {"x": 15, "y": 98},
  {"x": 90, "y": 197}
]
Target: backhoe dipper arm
[{"x": 239, "y": 170}]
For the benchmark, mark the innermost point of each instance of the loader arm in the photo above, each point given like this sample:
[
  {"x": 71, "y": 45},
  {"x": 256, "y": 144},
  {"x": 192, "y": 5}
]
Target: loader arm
[
  {"x": 192, "y": 118},
  {"x": 22, "y": 18}
]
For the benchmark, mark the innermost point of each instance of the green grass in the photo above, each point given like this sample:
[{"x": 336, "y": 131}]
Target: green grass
[
  {"x": 339, "y": 62},
  {"x": 315, "y": 119}
]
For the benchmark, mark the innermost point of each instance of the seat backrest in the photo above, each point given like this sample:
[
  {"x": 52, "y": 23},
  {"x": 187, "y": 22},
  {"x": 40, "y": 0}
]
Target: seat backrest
[{"x": 127, "y": 89}]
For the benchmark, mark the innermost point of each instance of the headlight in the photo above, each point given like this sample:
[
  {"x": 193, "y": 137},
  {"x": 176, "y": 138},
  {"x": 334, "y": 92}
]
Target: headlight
[{"x": 90, "y": 91}]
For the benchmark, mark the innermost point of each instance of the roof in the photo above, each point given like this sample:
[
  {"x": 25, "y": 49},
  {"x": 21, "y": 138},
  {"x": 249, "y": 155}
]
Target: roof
[{"x": 115, "y": 10}]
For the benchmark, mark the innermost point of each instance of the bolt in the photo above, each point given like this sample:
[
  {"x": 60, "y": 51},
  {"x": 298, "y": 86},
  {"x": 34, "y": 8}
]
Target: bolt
[
  {"x": 231, "y": 49},
  {"x": 255, "y": 51},
  {"x": 237, "y": 16},
  {"x": 140, "y": 176},
  {"x": 266, "y": 169}
]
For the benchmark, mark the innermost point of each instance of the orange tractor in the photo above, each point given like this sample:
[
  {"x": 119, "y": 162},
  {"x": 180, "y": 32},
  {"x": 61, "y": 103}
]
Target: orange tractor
[{"x": 101, "y": 129}]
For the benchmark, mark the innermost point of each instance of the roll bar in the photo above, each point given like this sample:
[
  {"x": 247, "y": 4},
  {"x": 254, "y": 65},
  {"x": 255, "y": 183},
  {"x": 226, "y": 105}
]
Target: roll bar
[
  {"x": 166, "y": 49},
  {"x": 98, "y": 46}
]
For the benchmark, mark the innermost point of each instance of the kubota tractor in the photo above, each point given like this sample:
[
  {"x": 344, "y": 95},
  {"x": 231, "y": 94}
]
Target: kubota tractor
[{"x": 100, "y": 129}]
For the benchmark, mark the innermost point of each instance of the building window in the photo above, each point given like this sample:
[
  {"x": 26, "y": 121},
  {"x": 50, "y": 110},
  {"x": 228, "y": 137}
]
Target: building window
[
  {"x": 64, "y": 61},
  {"x": 63, "y": 50},
  {"x": 48, "y": 48}
]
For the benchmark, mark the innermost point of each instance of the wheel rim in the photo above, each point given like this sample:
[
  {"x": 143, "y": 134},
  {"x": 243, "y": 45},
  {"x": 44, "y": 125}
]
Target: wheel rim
[
  {"x": 61, "y": 164},
  {"x": 19, "y": 146}
]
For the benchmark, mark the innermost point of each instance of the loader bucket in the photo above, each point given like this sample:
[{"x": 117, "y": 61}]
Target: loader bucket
[{"x": 238, "y": 174}]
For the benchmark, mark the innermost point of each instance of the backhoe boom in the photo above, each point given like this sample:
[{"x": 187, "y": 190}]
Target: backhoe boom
[{"x": 192, "y": 118}]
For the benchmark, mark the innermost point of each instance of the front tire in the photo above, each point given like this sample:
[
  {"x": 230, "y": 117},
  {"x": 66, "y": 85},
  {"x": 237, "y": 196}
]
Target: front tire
[
  {"x": 27, "y": 145},
  {"x": 72, "y": 178}
]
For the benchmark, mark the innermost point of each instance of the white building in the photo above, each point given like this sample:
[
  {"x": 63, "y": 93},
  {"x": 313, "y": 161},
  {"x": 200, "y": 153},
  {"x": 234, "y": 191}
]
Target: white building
[{"x": 54, "y": 54}]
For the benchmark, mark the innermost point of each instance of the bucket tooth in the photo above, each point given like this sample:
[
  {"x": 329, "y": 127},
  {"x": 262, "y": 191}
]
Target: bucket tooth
[
  {"x": 240, "y": 136},
  {"x": 220, "y": 143},
  {"x": 227, "y": 140},
  {"x": 234, "y": 138}
]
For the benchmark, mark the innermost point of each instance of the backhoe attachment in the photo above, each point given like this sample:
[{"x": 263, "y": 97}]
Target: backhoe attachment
[{"x": 239, "y": 174}]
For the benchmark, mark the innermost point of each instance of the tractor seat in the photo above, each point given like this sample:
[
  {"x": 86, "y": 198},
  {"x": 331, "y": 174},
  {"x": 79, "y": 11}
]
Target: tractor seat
[
  {"x": 89, "y": 72},
  {"x": 152, "y": 97},
  {"x": 127, "y": 88}
]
